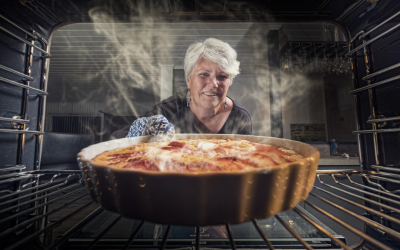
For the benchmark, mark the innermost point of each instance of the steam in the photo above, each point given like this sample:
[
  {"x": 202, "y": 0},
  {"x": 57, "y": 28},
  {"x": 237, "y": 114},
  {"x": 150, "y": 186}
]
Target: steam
[{"x": 129, "y": 73}]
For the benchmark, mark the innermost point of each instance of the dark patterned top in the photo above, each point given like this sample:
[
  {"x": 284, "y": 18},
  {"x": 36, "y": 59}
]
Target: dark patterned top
[{"x": 176, "y": 111}]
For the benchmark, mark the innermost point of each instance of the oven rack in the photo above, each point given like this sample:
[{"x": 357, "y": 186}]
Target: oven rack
[
  {"x": 369, "y": 77},
  {"x": 19, "y": 122},
  {"x": 387, "y": 215},
  {"x": 22, "y": 182},
  {"x": 376, "y": 121},
  {"x": 385, "y": 174},
  {"x": 69, "y": 183}
]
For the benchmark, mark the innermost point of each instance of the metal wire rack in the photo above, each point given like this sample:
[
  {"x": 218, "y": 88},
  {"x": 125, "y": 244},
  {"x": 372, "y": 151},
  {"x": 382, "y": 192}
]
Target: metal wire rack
[
  {"x": 32, "y": 199},
  {"x": 69, "y": 182},
  {"x": 14, "y": 175}
]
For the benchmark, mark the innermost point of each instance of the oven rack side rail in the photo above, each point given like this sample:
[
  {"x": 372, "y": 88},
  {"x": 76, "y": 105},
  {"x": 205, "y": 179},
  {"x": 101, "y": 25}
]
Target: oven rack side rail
[
  {"x": 64, "y": 184},
  {"x": 370, "y": 76},
  {"x": 26, "y": 78},
  {"x": 36, "y": 57},
  {"x": 388, "y": 171}
]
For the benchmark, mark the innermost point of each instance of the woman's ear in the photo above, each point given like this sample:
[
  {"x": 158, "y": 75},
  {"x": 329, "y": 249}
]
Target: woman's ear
[{"x": 188, "y": 83}]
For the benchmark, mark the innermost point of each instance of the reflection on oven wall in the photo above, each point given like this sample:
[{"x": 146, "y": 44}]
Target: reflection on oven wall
[{"x": 113, "y": 73}]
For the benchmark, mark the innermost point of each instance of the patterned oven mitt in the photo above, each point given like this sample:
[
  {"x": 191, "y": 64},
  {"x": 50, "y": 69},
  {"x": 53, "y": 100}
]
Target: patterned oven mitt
[{"x": 157, "y": 126}]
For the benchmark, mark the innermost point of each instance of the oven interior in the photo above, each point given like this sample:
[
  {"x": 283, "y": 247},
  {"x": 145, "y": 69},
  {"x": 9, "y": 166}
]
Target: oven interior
[{"x": 72, "y": 72}]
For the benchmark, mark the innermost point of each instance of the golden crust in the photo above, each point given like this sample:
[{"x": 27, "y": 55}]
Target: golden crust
[{"x": 200, "y": 155}]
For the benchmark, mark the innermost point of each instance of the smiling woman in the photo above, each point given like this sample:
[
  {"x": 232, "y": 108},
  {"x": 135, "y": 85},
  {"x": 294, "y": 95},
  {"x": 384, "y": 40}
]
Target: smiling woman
[
  {"x": 207, "y": 89},
  {"x": 210, "y": 67}
]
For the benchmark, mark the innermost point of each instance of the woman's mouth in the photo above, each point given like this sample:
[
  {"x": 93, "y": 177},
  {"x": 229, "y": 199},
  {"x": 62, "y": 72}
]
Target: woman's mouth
[{"x": 209, "y": 94}]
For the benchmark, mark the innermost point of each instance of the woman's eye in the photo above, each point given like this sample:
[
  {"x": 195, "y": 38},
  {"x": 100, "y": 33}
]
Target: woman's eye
[
  {"x": 222, "y": 77},
  {"x": 203, "y": 74}
]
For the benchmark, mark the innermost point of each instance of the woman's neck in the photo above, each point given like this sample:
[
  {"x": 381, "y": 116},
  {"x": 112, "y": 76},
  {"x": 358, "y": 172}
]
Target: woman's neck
[
  {"x": 211, "y": 121},
  {"x": 204, "y": 115}
]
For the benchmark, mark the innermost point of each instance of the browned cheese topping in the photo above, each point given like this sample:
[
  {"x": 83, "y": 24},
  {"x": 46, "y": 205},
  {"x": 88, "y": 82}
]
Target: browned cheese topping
[{"x": 200, "y": 155}]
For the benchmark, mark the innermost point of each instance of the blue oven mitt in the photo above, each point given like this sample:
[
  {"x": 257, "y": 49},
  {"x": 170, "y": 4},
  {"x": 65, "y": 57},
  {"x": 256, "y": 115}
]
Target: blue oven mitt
[{"x": 157, "y": 126}]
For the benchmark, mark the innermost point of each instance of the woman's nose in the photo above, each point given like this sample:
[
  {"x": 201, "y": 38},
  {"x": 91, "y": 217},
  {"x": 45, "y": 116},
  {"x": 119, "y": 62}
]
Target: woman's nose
[{"x": 213, "y": 81}]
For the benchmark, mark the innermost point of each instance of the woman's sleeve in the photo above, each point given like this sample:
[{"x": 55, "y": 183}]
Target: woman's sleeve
[
  {"x": 155, "y": 110},
  {"x": 122, "y": 133}
]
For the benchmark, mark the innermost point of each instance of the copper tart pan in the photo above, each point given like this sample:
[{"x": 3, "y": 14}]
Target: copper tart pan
[{"x": 199, "y": 199}]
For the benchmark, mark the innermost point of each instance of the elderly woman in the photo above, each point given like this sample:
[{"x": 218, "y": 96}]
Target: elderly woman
[{"x": 210, "y": 67}]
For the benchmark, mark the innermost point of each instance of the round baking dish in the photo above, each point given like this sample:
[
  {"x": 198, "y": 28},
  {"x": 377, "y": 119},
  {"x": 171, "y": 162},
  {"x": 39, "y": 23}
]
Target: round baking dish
[{"x": 200, "y": 199}]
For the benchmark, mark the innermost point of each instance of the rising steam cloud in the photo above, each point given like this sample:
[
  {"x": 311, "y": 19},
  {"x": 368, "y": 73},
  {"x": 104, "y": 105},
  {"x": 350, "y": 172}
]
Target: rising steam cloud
[{"x": 132, "y": 58}]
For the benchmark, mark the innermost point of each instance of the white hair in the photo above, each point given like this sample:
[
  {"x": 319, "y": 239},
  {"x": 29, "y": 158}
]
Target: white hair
[{"x": 213, "y": 50}]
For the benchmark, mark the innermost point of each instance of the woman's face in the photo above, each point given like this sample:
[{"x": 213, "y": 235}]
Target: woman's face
[{"x": 208, "y": 85}]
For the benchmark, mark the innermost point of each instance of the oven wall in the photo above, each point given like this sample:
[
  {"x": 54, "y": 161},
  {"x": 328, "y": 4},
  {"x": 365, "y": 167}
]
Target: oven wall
[
  {"x": 15, "y": 101},
  {"x": 19, "y": 151},
  {"x": 382, "y": 100}
]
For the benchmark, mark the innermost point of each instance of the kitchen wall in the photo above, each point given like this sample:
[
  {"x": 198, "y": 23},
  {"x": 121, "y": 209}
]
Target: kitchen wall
[{"x": 303, "y": 101}]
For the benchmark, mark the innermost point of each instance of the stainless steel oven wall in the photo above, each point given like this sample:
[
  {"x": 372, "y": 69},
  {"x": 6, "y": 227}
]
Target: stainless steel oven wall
[
  {"x": 23, "y": 76},
  {"x": 375, "y": 53},
  {"x": 382, "y": 69}
]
